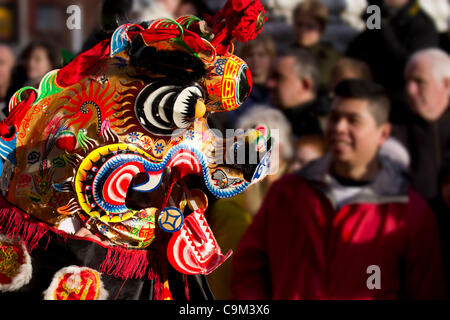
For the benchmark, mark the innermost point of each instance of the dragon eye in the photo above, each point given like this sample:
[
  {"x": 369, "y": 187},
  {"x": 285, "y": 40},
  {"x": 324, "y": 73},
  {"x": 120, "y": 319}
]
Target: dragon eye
[{"x": 244, "y": 85}]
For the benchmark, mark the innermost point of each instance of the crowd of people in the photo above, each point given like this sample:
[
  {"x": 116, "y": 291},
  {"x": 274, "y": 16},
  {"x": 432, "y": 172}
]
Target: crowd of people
[
  {"x": 364, "y": 156},
  {"x": 367, "y": 178}
]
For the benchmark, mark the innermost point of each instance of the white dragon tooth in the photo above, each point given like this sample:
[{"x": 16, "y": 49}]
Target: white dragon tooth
[{"x": 162, "y": 103}]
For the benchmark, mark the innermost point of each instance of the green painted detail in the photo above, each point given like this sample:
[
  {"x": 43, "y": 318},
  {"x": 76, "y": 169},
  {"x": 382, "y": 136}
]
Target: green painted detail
[
  {"x": 19, "y": 93},
  {"x": 191, "y": 19},
  {"x": 82, "y": 139},
  {"x": 48, "y": 86},
  {"x": 16, "y": 98},
  {"x": 165, "y": 23}
]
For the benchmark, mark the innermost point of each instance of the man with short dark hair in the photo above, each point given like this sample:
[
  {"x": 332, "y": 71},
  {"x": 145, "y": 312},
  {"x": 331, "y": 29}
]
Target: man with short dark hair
[
  {"x": 294, "y": 85},
  {"x": 347, "y": 226}
]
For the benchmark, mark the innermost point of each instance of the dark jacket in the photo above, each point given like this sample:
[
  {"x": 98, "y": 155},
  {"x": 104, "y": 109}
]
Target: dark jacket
[
  {"x": 387, "y": 50},
  {"x": 300, "y": 246},
  {"x": 428, "y": 143},
  {"x": 304, "y": 118}
]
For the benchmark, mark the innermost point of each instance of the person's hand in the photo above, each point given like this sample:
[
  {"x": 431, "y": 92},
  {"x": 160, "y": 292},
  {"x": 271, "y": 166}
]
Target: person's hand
[{"x": 85, "y": 233}]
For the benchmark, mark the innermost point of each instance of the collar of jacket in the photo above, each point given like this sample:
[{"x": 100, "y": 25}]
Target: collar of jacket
[
  {"x": 410, "y": 10},
  {"x": 390, "y": 185},
  {"x": 301, "y": 109}
]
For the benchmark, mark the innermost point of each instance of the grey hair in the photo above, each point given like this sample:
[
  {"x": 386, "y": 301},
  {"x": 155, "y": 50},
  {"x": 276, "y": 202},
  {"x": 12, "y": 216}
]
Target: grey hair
[
  {"x": 306, "y": 66},
  {"x": 440, "y": 61},
  {"x": 264, "y": 115}
]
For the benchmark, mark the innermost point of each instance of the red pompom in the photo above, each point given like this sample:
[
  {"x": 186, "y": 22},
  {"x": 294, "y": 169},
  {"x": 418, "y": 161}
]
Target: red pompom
[
  {"x": 247, "y": 28},
  {"x": 239, "y": 19}
]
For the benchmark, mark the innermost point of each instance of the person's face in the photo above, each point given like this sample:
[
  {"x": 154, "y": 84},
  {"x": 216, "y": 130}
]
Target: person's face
[
  {"x": 186, "y": 9},
  {"x": 396, "y": 4},
  {"x": 38, "y": 64},
  {"x": 352, "y": 134},
  {"x": 285, "y": 86},
  {"x": 6, "y": 65},
  {"x": 427, "y": 96},
  {"x": 170, "y": 5},
  {"x": 307, "y": 31},
  {"x": 259, "y": 62}
]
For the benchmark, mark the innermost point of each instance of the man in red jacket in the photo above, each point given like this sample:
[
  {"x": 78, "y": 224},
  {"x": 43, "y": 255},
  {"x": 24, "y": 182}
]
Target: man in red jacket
[{"x": 348, "y": 226}]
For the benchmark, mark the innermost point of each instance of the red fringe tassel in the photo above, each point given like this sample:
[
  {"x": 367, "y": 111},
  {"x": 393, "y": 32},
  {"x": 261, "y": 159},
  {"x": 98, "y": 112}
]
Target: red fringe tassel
[
  {"x": 123, "y": 263},
  {"x": 13, "y": 223},
  {"x": 119, "y": 262}
]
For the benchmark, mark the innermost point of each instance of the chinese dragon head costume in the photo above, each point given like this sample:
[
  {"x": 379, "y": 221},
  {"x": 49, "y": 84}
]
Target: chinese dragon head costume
[{"x": 97, "y": 162}]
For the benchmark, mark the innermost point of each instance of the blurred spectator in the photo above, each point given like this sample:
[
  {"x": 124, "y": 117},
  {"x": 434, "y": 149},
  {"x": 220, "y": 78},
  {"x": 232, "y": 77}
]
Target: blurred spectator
[
  {"x": 196, "y": 8},
  {"x": 230, "y": 218},
  {"x": 344, "y": 21},
  {"x": 405, "y": 29},
  {"x": 348, "y": 68},
  {"x": 7, "y": 60},
  {"x": 171, "y": 6},
  {"x": 319, "y": 233},
  {"x": 259, "y": 55},
  {"x": 310, "y": 19},
  {"x": 38, "y": 58},
  {"x": 294, "y": 86},
  {"x": 425, "y": 129},
  {"x": 307, "y": 149}
]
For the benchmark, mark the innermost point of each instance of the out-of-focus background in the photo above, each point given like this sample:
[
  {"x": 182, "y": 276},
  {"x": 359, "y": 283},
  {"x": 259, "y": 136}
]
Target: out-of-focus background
[{"x": 22, "y": 21}]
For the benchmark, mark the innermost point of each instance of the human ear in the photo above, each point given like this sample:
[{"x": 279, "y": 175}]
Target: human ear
[
  {"x": 447, "y": 83},
  {"x": 307, "y": 83},
  {"x": 386, "y": 129}
]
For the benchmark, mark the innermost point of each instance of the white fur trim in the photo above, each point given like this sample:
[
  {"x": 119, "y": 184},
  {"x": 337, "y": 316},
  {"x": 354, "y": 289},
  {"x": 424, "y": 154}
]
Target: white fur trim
[
  {"x": 49, "y": 294},
  {"x": 25, "y": 271}
]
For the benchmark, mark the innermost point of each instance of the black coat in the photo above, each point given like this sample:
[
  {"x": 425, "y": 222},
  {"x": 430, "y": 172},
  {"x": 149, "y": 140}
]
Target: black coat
[
  {"x": 305, "y": 118},
  {"x": 428, "y": 144},
  {"x": 56, "y": 253},
  {"x": 388, "y": 49}
]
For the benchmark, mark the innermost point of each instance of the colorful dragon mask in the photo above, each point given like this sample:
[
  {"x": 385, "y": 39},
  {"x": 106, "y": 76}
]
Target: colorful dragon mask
[{"x": 110, "y": 142}]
